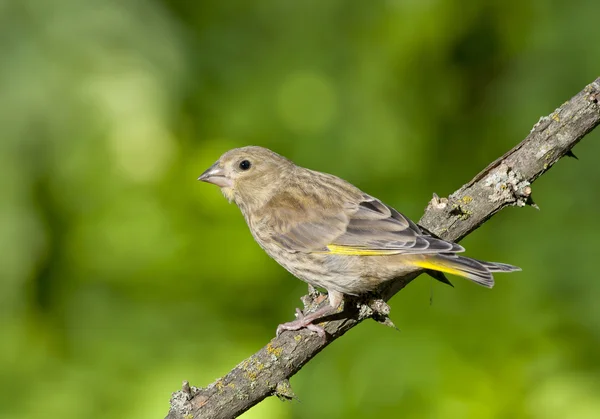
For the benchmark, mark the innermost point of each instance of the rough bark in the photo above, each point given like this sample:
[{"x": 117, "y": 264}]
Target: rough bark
[{"x": 504, "y": 182}]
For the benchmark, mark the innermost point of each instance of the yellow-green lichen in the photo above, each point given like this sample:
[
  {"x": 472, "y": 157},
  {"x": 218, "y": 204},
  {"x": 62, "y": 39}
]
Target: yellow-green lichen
[
  {"x": 284, "y": 391},
  {"x": 465, "y": 215},
  {"x": 220, "y": 386},
  {"x": 252, "y": 368},
  {"x": 274, "y": 351},
  {"x": 251, "y": 375},
  {"x": 467, "y": 199},
  {"x": 241, "y": 396}
]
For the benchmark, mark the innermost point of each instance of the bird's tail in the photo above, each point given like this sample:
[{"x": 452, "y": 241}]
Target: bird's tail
[{"x": 476, "y": 270}]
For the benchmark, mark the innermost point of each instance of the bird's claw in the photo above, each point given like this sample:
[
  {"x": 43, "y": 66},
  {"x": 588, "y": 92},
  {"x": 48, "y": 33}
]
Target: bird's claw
[{"x": 301, "y": 322}]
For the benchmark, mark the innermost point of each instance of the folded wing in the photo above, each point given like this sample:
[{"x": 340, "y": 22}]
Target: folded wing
[{"x": 368, "y": 227}]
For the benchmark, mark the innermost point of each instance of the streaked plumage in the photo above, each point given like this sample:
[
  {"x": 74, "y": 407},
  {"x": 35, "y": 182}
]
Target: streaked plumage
[{"x": 329, "y": 233}]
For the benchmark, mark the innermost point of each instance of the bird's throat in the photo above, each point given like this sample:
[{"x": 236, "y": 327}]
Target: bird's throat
[{"x": 228, "y": 193}]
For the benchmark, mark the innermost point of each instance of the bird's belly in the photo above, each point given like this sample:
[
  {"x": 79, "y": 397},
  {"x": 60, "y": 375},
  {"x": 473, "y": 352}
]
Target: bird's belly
[
  {"x": 307, "y": 267},
  {"x": 352, "y": 275}
]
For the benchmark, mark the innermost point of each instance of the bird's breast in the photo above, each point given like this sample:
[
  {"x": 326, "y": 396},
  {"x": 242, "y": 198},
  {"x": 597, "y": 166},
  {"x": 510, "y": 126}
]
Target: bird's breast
[{"x": 348, "y": 274}]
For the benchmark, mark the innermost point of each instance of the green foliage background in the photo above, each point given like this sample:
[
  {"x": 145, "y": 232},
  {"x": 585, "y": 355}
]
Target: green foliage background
[{"x": 121, "y": 275}]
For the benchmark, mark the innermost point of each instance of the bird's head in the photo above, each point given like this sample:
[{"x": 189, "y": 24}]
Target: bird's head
[{"x": 249, "y": 176}]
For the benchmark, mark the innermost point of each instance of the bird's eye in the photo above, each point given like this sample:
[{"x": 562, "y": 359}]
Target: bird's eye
[{"x": 245, "y": 165}]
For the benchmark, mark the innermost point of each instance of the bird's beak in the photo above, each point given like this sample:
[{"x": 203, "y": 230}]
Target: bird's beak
[{"x": 216, "y": 175}]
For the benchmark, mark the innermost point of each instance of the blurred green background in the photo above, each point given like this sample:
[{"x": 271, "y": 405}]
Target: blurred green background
[{"x": 121, "y": 275}]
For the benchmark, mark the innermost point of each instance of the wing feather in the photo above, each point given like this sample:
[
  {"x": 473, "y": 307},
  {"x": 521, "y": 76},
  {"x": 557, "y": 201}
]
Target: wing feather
[
  {"x": 368, "y": 227},
  {"x": 376, "y": 226}
]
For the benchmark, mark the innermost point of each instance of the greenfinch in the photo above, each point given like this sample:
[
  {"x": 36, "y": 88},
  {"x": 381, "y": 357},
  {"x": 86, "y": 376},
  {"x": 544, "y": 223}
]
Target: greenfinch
[{"x": 330, "y": 234}]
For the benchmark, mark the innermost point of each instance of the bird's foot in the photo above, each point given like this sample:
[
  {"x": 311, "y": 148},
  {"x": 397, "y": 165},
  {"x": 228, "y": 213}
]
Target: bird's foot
[{"x": 303, "y": 322}]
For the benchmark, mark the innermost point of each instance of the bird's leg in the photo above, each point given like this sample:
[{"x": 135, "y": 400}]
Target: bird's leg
[
  {"x": 302, "y": 321},
  {"x": 305, "y": 322}
]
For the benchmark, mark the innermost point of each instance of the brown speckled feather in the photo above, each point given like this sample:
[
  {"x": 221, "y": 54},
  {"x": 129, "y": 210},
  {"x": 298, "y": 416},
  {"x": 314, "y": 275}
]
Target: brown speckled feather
[{"x": 339, "y": 214}]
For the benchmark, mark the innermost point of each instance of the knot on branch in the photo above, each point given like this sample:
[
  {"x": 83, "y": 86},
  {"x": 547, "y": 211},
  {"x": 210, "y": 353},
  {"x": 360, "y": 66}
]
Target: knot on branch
[
  {"x": 313, "y": 299},
  {"x": 592, "y": 92},
  {"x": 508, "y": 186},
  {"x": 184, "y": 401},
  {"x": 438, "y": 203},
  {"x": 283, "y": 391}
]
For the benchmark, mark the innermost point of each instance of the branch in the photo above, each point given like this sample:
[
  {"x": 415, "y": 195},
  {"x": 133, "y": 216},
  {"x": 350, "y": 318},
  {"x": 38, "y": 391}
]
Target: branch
[{"x": 504, "y": 182}]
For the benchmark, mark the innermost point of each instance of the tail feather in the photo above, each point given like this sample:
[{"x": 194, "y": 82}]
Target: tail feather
[
  {"x": 439, "y": 275},
  {"x": 477, "y": 271},
  {"x": 499, "y": 267}
]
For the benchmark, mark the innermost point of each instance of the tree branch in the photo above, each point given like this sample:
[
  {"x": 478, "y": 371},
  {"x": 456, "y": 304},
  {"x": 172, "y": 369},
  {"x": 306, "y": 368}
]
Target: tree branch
[{"x": 504, "y": 182}]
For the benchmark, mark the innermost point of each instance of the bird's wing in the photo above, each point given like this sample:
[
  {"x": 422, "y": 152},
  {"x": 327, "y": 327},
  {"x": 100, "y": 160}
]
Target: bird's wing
[
  {"x": 368, "y": 228},
  {"x": 306, "y": 230}
]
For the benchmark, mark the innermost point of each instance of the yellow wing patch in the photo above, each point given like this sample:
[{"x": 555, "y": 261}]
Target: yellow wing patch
[
  {"x": 434, "y": 266},
  {"x": 357, "y": 251}
]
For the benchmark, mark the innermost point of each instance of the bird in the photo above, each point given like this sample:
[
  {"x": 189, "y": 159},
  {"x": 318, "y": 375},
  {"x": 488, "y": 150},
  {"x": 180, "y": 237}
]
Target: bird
[{"x": 330, "y": 234}]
